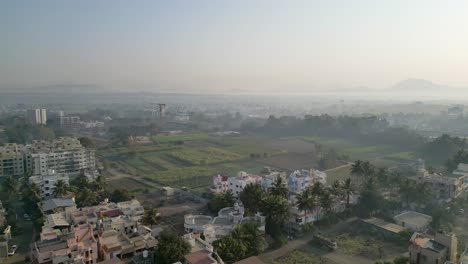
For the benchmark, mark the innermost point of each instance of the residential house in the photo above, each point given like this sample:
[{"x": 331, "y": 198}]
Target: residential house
[
  {"x": 201, "y": 251},
  {"x": 300, "y": 180},
  {"x": 237, "y": 184},
  {"x": 444, "y": 187},
  {"x": 220, "y": 184},
  {"x": 56, "y": 205},
  {"x": 46, "y": 183},
  {"x": 425, "y": 248},
  {"x": 76, "y": 246}
]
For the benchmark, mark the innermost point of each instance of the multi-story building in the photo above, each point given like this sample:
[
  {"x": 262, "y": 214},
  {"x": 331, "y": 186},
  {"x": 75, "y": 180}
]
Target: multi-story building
[
  {"x": 37, "y": 116},
  {"x": 46, "y": 183},
  {"x": 269, "y": 180},
  {"x": 440, "y": 248},
  {"x": 63, "y": 155},
  {"x": 220, "y": 184},
  {"x": 3, "y": 220},
  {"x": 443, "y": 186},
  {"x": 75, "y": 246},
  {"x": 70, "y": 122},
  {"x": 237, "y": 184},
  {"x": 11, "y": 160}
]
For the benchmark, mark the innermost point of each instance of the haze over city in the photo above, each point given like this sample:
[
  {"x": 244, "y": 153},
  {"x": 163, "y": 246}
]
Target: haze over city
[{"x": 234, "y": 46}]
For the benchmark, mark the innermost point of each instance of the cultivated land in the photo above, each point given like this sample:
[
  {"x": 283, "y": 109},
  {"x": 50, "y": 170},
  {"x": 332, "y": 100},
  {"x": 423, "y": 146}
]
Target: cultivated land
[{"x": 190, "y": 160}]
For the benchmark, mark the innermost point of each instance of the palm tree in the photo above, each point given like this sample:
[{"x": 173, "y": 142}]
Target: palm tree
[
  {"x": 407, "y": 190},
  {"x": 422, "y": 192},
  {"x": 305, "y": 202},
  {"x": 279, "y": 188},
  {"x": 34, "y": 189},
  {"x": 336, "y": 189},
  {"x": 100, "y": 183},
  {"x": 367, "y": 169},
  {"x": 251, "y": 198},
  {"x": 356, "y": 168},
  {"x": 151, "y": 217},
  {"x": 86, "y": 197},
  {"x": 10, "y": 186},
  {"x": 348, "y": 189},
  {"x": 276, "y": 209},
  {"x": 326, "y": 200},
  {"x": 61, "y": 188}
]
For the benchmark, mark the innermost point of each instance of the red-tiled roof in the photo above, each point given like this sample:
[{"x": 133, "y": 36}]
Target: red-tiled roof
[{"x": 110, "y": 213}]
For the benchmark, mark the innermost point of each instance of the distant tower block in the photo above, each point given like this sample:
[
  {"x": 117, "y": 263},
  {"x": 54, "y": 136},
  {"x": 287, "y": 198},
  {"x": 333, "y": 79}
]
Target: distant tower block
[{"x": 162, "y": 110}]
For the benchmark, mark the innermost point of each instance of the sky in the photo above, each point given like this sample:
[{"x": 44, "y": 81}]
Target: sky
[{"x": 242, "y": 45}]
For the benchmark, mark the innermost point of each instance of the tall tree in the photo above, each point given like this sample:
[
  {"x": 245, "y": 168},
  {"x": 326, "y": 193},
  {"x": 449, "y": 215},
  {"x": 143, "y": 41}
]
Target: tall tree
[
  {"x": 86, "y": 197},
  {"x": 276, "y": 210},
  {"x": 171, "y": 248},
  {"x": 120, "y": 195},
  {"x": 10, "y": 185},
  {"x": 367, "y": 169},
  {"x": 326, "y": 200},
  {"x": 407, "y": 190},
  {"x": 305, "y": 201},
  {"x": 348, "y": 189},
  {"x": 251, "y": 198},
  {"x": 279, "y": 188},
  {"x": 61, "y": 188},
  {"x": 356, "y": 168},
  {"x": 151, "y": 216}
]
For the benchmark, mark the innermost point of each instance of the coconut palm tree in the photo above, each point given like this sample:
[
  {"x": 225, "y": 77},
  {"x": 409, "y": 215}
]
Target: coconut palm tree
[
  {"x": 337, "y": 189},
  {"x": 151, "y": 217},
  {"x": 367, "y": 169},
  {"x": 305, "y": 201},
  {"x": 279, "y": 188},
  {"x": 326, "y": 200},
  {"x": 61, "y": 188},
  {"x": 348, "y": 189},
  {"x": 407, "y": 190},
  {"x": 356, "y": 168}
]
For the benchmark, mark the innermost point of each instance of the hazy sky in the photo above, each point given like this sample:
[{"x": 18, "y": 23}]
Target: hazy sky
[{"x": 233, "y": 44}]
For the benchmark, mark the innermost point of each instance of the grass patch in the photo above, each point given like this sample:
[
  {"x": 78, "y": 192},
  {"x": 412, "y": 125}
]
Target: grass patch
[
  {"x": 179, "y": 137},
  {"x": 202, "y": 156},
  {"x": 297, "y": 256},
  {"x": 357, "y": 246}
]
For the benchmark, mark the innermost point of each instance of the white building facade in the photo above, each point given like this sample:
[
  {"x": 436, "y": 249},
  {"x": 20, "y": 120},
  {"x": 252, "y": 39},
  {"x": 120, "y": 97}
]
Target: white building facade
[{"x": 46, "y": 183}]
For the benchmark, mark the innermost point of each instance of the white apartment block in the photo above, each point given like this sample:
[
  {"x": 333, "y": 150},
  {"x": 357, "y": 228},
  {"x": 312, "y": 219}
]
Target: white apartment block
[
  {"x": 46, "y": 183},
  {"x": 63, "y": 155},
  {"x": 237, "y": 184},
  {"x": 70, "y": 122},
  {"x": 37, "y": 116},
  {"x": 11, "y": 160}
]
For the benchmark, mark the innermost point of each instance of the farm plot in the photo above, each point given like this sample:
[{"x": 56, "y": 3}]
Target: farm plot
[
  {"x": 126, "y": 183},
  {"x": 179, "y": 137},
  {"x": 202, "y": 156},
  {"x": 290, "y": 161}
]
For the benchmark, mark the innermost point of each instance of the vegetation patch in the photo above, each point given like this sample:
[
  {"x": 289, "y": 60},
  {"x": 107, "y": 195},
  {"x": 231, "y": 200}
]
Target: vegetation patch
[
  {"x": 166, "y": 138},
  {"x": 198, "y": 156},
  {"x": 297, "y": 256}
]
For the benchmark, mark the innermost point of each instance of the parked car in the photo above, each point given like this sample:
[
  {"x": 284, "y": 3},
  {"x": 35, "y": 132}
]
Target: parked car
[
  {"x": 27, "y": 217},
  {"x": 12, "y": 250}
]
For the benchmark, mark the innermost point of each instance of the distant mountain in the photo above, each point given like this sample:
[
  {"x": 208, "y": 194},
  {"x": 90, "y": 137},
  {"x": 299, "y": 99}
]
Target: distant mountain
[{"x": 418, "y": 85}]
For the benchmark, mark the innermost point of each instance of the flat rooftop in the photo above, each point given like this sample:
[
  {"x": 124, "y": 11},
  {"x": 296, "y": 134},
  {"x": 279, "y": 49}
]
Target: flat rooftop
[{"x": 413, "y": 218}]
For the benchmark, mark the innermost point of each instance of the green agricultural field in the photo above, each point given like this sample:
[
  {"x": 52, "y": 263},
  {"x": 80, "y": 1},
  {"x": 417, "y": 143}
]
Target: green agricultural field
[
  {"x": 202, "y": 156},
  {"x": 200, "y": 177},
  {"x": 134, "y": 149},
  {"x": 180, "y": 137},
  {"x": 155, "y": 159}
]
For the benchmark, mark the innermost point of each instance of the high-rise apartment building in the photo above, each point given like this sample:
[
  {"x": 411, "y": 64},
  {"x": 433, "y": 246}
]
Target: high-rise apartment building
[{"x": 37, "y": 116}]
